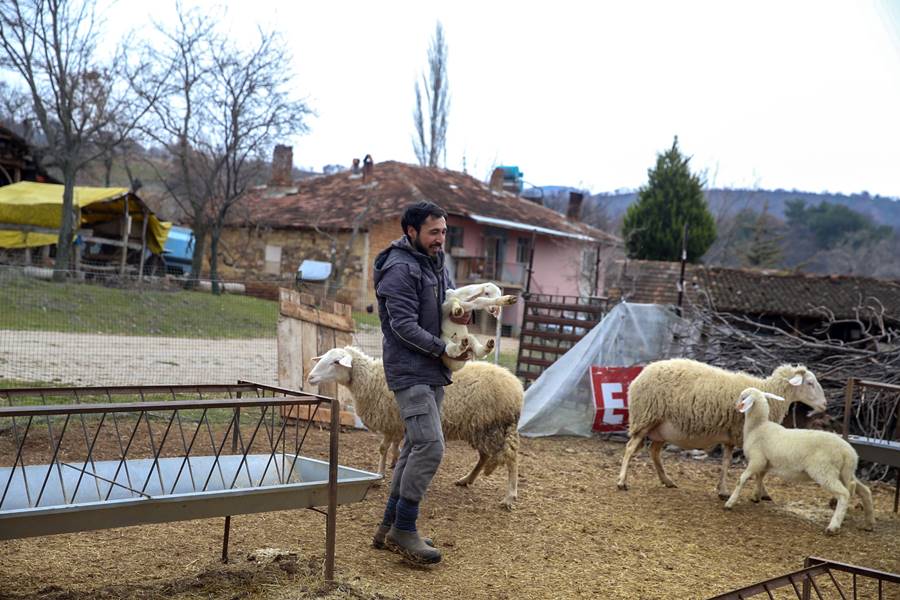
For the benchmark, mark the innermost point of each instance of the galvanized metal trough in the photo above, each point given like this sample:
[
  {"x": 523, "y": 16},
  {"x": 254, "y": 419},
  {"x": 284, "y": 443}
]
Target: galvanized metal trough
[{"x": 174, "y": 459}]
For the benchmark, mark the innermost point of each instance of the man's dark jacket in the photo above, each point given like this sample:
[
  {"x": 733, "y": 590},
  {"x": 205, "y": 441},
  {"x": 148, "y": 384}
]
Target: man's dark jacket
[{"x": 410, "y": 287}]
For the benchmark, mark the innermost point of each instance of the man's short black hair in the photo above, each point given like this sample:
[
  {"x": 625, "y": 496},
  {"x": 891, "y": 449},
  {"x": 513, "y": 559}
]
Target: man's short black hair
[{"x": 418, "y": 213}]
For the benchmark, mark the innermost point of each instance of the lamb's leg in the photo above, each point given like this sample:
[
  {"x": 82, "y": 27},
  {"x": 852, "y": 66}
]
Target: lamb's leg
[
  {"x": 655, "y": 450},
  {"x": 722, "y": 488},
  {"x": 833, "y": 485},
  {"x": 760, "y": 492},
  {"x": 480, "y": 350},
  {"x": 866, "y": 496},
  {"x": 455, "y": 349},
  {"x": 470, "y": 478},
  {"x": 753, "y": 468},
  {"x": 630, "y": 448}
]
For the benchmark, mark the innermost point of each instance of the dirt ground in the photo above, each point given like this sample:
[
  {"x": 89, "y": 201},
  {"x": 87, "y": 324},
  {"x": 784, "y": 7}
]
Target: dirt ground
[{"x": 572, "y": 535}]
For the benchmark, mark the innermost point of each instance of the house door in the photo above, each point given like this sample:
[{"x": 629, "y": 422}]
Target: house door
[{"x": 494, "y": 246}]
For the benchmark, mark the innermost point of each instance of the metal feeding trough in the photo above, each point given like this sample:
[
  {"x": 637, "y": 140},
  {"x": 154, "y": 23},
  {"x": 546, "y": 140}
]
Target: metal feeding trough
[
  {"x": 172, "y": 459},
  {"x": 111, "y": 493}
]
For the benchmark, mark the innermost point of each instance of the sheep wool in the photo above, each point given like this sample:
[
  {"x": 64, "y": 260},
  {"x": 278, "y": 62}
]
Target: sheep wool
[
  {"x": 481, "y": 407},
  {"x": 698, "y": 398}
]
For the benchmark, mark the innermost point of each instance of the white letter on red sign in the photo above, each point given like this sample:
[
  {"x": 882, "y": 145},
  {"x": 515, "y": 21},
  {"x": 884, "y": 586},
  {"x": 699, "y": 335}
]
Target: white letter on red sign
[{"x": 612, "y": 402}]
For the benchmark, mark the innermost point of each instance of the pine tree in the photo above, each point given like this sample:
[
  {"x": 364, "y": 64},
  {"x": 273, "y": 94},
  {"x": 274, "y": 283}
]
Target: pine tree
[{"x": 654, "y": 225}]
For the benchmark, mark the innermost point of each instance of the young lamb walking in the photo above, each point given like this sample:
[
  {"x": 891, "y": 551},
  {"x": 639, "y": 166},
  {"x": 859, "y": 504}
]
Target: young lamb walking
[
  {"x": 481, "y": 407},
  {"x": 453, "y": 327},
  {"x": 690, "y": 404},
  {"x": 798, "y": 455}
]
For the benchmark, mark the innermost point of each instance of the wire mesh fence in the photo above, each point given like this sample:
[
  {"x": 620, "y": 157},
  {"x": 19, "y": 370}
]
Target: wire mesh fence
[{"x": 113, "y": 330}]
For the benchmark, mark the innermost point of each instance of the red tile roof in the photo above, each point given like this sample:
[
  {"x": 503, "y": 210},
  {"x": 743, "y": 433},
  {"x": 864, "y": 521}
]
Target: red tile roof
[
  {"x": 334, "y": 201},
  {"x": 757, "y": 292}
]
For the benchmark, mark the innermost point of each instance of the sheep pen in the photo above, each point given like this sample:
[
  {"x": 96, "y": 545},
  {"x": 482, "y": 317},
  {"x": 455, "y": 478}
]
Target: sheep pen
[{"x": 569, "y": 537}]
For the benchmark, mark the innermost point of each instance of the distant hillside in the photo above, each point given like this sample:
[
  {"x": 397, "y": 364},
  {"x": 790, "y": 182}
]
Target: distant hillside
[{"x": 727, "y": 203}]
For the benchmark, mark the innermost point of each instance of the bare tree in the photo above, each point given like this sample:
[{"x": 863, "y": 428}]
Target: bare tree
[
  {"x": 222, "y": 111},
  {"x": 430, "y": 145},
  {"x": 52, "y": 46}
]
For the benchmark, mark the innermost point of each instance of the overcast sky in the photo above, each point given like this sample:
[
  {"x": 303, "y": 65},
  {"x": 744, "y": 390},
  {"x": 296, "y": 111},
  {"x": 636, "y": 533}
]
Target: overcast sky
[{"x": 765, "y": 94}]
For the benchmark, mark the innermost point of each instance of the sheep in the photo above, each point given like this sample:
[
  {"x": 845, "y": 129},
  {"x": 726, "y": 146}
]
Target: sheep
[
  {"x": 481, "y": 407},
  {"x": 453, "y": 324},
  {"x": 688, "y": 403},
  {"x": 798, "y": 455}
]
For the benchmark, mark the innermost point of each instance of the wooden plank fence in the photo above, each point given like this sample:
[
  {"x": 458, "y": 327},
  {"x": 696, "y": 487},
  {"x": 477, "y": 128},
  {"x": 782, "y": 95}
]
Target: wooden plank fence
[{"x": 309, "y": 327}]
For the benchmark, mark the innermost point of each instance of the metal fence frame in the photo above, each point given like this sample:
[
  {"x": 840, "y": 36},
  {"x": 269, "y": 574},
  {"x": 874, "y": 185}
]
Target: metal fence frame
[{"x": 266, "y": 397}]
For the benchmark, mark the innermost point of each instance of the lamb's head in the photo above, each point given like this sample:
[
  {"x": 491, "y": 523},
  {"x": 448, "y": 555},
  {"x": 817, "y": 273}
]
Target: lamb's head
[
  {"x": 452, "y": 306},
  {"x": 803, "y": 387},
  {"x": 752, "y": 397},
  {"x": 334, "y": 365}
]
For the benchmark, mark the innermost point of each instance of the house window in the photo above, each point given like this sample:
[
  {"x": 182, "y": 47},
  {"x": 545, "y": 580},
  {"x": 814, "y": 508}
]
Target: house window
[
  {"x": 455, "y": 236},
  {"x": 273, "y": 260},
  {"x": 523, "y": 250}
]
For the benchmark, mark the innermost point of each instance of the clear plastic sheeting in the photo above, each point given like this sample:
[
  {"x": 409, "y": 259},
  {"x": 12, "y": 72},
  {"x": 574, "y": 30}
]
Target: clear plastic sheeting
[{"x": 560, "y": 401}]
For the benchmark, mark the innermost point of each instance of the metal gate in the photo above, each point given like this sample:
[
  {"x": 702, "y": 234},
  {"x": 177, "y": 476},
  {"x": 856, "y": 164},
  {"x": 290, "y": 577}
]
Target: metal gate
[{"x": 551, "y": 325}]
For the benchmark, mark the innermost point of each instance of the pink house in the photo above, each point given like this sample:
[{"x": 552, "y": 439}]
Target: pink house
[{"x": 491, "y": 231}]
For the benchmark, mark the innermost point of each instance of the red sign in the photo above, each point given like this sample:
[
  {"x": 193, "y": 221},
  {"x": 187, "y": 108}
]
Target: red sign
[{"x": 610, "y": 389}]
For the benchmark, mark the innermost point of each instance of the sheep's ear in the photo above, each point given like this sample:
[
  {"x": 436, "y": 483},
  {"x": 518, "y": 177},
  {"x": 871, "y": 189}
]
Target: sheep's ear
[
  {"x": 773, "y": 396},
  {"x": 745, "y": 402},
  {"x": 346, "y": 361},
  {"x": 796, "y": 379},
  {"x": 316, "y": 358}
]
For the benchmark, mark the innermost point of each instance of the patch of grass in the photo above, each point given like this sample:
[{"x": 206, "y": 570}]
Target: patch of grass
[
  {"x": 364, "y": 318},
  {"x": 79, "y": 307}
]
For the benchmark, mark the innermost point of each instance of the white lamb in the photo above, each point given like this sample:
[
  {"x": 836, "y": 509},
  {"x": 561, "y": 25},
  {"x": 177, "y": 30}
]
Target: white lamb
[
  {"x": 481, "y": 407},
  {"x": 453, "y": 328},
  {"x": 798, "y": 455},
  {"x": 690, "y": 404}
]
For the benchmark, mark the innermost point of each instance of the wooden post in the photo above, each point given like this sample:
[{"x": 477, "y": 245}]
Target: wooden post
[
  {"x": 126, "y": 231},
  {"x": 307, "y": 329},
  {"x": 145, "y": 217},
  {"x": 331, "y": 518}
]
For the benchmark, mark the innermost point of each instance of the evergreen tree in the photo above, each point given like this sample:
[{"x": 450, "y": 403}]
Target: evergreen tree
[
  {"x": 673, "y": 196},
  {"x": 764, "y": 249}
]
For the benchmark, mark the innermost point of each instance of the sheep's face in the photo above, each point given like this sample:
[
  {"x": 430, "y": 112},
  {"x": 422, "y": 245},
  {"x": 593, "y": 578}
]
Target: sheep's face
[
  {"x": 806, "y": 389},
  {"x": 334, "y": 365}
]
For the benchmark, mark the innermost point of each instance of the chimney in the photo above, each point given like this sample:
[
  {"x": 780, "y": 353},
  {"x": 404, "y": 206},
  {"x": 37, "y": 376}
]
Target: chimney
[
  {"x": 354, "y": 169},
  {"x": 282, "y": 166},
  {"x": 368, "y": 167},
  {"x": 496, "y": 184},
  {"x": 573, "y": 211}
]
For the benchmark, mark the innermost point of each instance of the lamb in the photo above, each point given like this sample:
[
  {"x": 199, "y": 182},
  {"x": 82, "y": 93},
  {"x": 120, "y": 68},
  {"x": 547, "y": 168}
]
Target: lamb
[
  {"x": 689, "y": 404},
  {"x": 481, "y": 407},
  {"x": 453, "y": 324},
  {"x": 798, "y": 455}
]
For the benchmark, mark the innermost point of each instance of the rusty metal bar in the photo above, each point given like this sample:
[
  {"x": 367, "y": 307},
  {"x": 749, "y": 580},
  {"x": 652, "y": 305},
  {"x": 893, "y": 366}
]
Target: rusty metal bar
[
  {"x": 57, "y": 410},
  {"x": 331, "y": 518},
  {"x": 129, "y": 390}
]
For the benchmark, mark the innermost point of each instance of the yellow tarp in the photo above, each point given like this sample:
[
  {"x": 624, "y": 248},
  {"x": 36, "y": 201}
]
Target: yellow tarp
[{"x": 40, "y": 205}]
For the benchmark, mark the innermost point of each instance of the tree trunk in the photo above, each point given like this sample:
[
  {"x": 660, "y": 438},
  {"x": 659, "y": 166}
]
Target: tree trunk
[
  {"x": 66, "y": 226},
  {"x": 199, "y": 250},
  {"x": 213, "y": 259}
]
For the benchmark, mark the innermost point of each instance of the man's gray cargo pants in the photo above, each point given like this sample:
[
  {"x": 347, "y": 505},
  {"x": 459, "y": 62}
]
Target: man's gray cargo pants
[{"x": 423, "y": 443}]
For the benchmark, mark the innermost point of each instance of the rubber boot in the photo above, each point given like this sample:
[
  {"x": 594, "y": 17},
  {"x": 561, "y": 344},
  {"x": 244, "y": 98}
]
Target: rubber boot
[
  {"x": 411, "y": 547},
  {"x": 378, "y": 538}
]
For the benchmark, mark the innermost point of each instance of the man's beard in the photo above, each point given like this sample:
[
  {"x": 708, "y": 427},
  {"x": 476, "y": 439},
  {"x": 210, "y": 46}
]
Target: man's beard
[{"x": 418, "y": 246}]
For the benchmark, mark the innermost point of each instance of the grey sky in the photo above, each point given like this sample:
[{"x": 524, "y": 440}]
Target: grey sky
[{"x": 769, "y": 94}]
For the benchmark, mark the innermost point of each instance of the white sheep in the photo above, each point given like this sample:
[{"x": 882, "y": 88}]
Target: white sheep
[
  {"x": 481, "y": 407},
  {"x": 454, "y": 332},
  {"x": 798, "y": 455},
  {"x": 690, "y": 404}
]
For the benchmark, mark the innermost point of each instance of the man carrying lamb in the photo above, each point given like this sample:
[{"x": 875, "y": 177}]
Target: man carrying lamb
[{"x": 410, "y": 282}]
